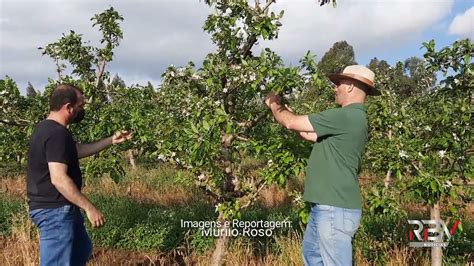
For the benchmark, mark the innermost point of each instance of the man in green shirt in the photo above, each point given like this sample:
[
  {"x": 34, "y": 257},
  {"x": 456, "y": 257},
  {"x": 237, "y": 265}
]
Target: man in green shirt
[{"x": 331, "y": 183}]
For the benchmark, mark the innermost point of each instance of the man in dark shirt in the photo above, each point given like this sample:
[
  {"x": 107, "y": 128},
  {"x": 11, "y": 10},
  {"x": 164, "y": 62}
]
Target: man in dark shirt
[{"x": 54, "y": 181}]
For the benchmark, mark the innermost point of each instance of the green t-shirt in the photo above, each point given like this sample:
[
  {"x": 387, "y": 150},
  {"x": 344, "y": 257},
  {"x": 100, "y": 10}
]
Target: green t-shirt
[{"x": 334, "y": 164}]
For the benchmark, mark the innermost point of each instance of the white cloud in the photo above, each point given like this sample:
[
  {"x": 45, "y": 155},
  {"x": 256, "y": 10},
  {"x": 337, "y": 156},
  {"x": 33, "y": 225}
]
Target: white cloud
[
  {"x": 4, "y": 21},
  {"x": 366, "y": 25},
  {"x": 156, "y": 34},
  {"x": 160, "y": 33},
  {"x": 463, "y": 24},
  {"x": 141, "y": 80}
]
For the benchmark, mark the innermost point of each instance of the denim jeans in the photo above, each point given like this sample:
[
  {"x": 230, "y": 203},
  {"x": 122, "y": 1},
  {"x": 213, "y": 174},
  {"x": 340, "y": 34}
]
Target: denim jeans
[
  {"x": 63, "y": 237},
  {"x": 328, "y": 236}
]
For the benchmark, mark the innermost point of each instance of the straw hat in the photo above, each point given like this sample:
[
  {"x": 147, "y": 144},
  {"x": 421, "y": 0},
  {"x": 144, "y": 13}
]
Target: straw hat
[{"x": 359, "y": 73}]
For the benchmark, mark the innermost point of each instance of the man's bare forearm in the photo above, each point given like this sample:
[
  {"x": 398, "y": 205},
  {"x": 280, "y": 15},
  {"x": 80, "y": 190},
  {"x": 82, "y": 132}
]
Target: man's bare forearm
[
  {"x": 282, "y": 115},
  {"x": 285, "y": 116},
  {"x": 69, "y": 190},
  {"x": 85, "y": 150}
]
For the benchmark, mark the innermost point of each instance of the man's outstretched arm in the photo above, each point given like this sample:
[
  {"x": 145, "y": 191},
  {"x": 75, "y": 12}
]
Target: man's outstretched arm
[
  {"x": 85, "y": 150},
  {"x": 284, "y": 116}
]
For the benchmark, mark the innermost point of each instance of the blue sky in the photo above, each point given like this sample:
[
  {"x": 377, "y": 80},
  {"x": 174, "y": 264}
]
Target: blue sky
[
  {"x": 439, "y": 32},
  {"x": 163, "y": 32}
]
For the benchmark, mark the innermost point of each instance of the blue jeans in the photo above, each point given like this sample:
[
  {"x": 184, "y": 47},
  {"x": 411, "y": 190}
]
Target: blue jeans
[
  {"x": 328, "y": 236},
  {"x": 63, "y": 237}
]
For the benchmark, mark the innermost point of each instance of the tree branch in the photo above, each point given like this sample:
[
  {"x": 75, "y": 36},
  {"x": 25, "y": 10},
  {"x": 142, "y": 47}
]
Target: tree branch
[
  {"x": 416, "y": 167},
  {"x": 465, "y": 183},
  {"x": 58, "y": 69},
  {"x": 252, "y": 39},
  {"x": 13, "y": 123},
  {"x": 245, "y": 51},
  {"x": 241, "y": 138},
  {"x": 253, "y": 196},
  {"x": 100, "y": 72},
  {"x": 257, "y": 4},
  {"x": 216, "y": 197},
  {"x": 253, "y": 122},
  {"x": 269, "y": 2}
]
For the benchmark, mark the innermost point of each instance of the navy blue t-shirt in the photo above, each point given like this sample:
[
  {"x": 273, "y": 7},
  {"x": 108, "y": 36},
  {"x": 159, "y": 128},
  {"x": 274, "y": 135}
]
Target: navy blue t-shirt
[{"x": 50, "y": 142}]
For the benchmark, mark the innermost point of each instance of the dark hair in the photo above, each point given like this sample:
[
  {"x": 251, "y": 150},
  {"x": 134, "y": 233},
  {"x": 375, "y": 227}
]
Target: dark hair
[{"x": 63, "y": 94}]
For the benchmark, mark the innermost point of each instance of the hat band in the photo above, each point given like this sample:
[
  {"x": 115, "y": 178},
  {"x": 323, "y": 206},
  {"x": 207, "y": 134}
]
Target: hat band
[{"x": 360, "y": 78}]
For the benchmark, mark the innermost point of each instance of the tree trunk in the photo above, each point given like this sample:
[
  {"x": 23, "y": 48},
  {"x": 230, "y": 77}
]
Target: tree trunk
[
  {"x": 131, "y": 159},
  {"x": 387, "y": 178},
  {"x": 221, "y": 244},
  {"x": 18, "y": 162},
  {"x": 58, "y": 69},
  {"x": 389, "y": 172},
  {"x": 129, "y": 190},
  {"x": 100, "y": 73},
  {"x": 436, "y": 252}
]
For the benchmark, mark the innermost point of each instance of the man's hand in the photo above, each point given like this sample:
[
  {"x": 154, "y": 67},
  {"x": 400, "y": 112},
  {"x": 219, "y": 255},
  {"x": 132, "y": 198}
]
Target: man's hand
[
  {"x": 69, "y": 190},
  {"x": 272, "y": 98},
  {"x": 121, "y": 136},
  {"x": 95, "y": 217},
  {"x": 285, "y": 116}
]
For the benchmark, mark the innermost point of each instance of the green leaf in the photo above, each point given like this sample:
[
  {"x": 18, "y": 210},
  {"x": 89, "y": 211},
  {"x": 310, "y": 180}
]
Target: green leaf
[{"x": 205, "y": 125}]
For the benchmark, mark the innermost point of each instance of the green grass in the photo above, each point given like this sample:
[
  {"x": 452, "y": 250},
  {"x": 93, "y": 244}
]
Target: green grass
[
  {"x": 139, "y": 226},
  {"x": 142, "y": 226},
  {"x": 8, "y": 208},
  {"x": 8, "y": 169},
  {"x": 159, "y": 177}
]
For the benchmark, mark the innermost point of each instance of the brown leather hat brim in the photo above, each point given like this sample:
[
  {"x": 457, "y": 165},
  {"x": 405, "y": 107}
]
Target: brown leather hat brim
[{"x": 336, "y": 79}]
